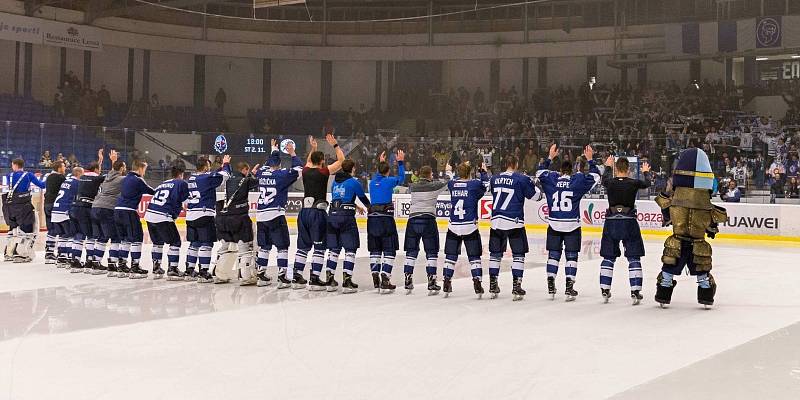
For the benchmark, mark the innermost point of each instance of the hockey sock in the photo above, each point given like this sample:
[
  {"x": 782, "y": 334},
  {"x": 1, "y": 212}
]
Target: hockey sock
[
  {"x": 262, "y": 259},
  {"x": 99, "y": 251},
  {"x": 157, "y": 252},
  {"x": 191, "y": 254},
  {"x": 136, "y": 253},
  {"x": 388, "y": 263},
  {"x": 475, "y": 267},
  {"x": 635, "y": 272},
  {"x": 518, "y": 265},
  {"x": 76, "y": 249},
  {"x": 50, "y": 244},
  {"x": 333, "y": 260},
  {"x": 283, "y": 260},
  {"x": 449, "y": 265},
  {"x": 703, "y": 281},
  {"x": 494, "y": 263},
  {"x": 553, "y": 258},
  {"x": 173, "y": 255},
  {"x": 375, "y": 261},
  {"x": 90, "y": 255},
  {"x": 666, "y": 279},
  {"x": 204, "y": 255},
  {"x": 571, "y": 266},
  {"x": 349, "y": 261},
  {"x": 431, "y": 264},
  {"x": 113, "y": 253},
  {"x": 411, "y": 259},
  {"x": 64, "y": 248},
  {"x": 124, "y": 250},
  {"x": 300, "y": 259},
  {"x": 317, "y": 258},
  {"x": 607, "y": 273}
]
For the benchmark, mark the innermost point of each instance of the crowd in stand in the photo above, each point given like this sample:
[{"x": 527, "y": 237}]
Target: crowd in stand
[{"x": 75, "y": 99}]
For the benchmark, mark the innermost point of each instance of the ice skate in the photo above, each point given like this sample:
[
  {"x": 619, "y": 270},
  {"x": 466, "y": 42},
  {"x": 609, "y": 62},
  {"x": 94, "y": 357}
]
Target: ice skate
[
  {"x": 376, "y": 281},
  {"x": 88, "y": 266},
  {"x": 99, "y": 269},
  {"x": 75, "y": 266},
  {"x": 570, "y": 291},
  {"x": 62, "y": 262},
  {"x": 663, "y": 293},
  {"x": 330, "y": 282},
  {"x": 158, "y": 272},
  {"x": 50, "y": 258},
  {"x": 476, "y": 284},
  {"x": 551, "y": 287},
  {"x": 315, "y": 284},
  {"x": 137, "y": 272},
  {"x": 348, "y": 286},
  {"x": 409, "y": 283},
  {"x": 283, "y": 282},
  {"x": 298, "y": 282},
  {"x": 112, "y": 270},
  {"x": 263, "y": 279},
  {"x": 190, "y": 274},
  {"x": 447, "y": 287},
  {"x": 606, "y": 295},
  {"x": 204, "y": 276},
  {"x": 174, "y": 274},
  {"x": 494, "y": 287},
  {"x": 636, "y": 297},
  {"x": 705, "y": 296},
  {"x": 122, "y": 269},
  {"x": 517, "y": 290},
  {"x": 386, "y": 287},
  {"x": 433, "y": 288}
]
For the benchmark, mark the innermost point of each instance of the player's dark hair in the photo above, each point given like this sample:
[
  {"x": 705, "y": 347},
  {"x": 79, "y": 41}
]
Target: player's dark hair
[
  {"x": 464, "y": 170},
  {"x": 348, "y": 165},
  {"x": 622, "y": 164},
  {"x": 57, "y": 165},
  {"x": 383, "y": 168},
  {"x": 18, "y": 162},
  {"x": 118, "y": 165},
  {"x": 317, "y": 157},
  {"x": 177, "y": 169},
  {"x": 93, "y": 167},
  {"x": 242, "y": 165},
  {"x": 139, "y": 163},
  {"x": 511, "y": 161},
  {"x": 566, "y": 168},
  {"x": 203, "y": 164},
  {"x": 426, "y": 172}
]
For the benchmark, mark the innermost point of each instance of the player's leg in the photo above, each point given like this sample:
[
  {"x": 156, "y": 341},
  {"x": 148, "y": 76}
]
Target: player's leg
[
  {"x": 375, "y": 248},
  {"x": 264, "y": 243},
  {"x": 634, "y": 251},
  {"x": 319, "y": 234},
  {"x": 390, "y": 242},
  {"x": 125, "y": 236},
  {"x": 474, "y": 247},
  {"x": 51, "y": 241},
  {"x": 430, "y": 241},
  {"x": 498, "y": 242},
  {"x": 113, "y": 233},
  {"x": 351, "y": 241},
  {"x": 518, "y": 241},
  {"x": 609, "y": 251},
  {"x": 136, "y": 243},
  {"x": 334, "y": 241},
  {"x": 159, "y": 235},
  {"x": 192, "y": 253},
  {"x": 572, "y": 248},
  {"x": 452, "y": 249},
  {"x": 554, "y": 250},
  {"x": 279, "y": 234},
  {"x": 102, "y": 237},
  {"x": 304, "y": 245},
  {"x": 411, "y": 247},
  {"x": 173, "y": 252}
]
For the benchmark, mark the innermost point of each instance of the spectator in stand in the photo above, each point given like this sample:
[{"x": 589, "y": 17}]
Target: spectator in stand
[
  {"x": 45, "y": 161},
  {"x": 220, "y": 99},
  {"x": 793, "y": 189},
  {"x": 777, "y": 182},
  {"x": 732, "y": 194},
  {"x": 58, "y": 103},
  {"x": 530, "y": 162},
  {"x": 792, "y": 166},
  {"x": 73, "y": 161}
]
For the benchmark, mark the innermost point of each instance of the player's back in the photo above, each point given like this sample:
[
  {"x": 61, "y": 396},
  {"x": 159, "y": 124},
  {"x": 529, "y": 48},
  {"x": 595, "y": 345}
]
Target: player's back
[
  {"x": 509, "y": 191},
  {"x": 167, "y": 201},
  {"x": 563, "y": 194},
  {"x": 202, "y": 194},
  {"x": 131, "y": 191},
  {"x": 64, "y": 199},
  {"x": 465, "y": 196}
]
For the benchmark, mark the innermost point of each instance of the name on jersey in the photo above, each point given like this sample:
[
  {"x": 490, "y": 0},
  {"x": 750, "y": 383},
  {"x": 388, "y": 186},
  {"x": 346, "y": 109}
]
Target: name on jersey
[
  {"x": 168, "y": 185},
  {"x": 267, "y": 181},
  {"x": 459, "y": 193},
  {"x": 66, "y": 185},
  {"x": 503, "y": 181},
  {"x": 192, "y": 184},
  {"x": 562, "y": 184}
]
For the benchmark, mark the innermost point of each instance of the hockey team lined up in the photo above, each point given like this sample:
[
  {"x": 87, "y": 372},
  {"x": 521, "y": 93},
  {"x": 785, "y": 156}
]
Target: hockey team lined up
[{"x": 91, "y": 217}]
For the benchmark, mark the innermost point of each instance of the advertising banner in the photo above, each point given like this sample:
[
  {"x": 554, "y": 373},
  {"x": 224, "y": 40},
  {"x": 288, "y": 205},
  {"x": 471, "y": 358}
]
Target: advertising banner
[{"x": 41, "y": 31}]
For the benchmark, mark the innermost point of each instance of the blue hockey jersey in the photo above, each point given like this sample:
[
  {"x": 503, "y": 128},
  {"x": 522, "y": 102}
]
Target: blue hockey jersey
[
  {"x": 64, "y": 199},
  {"x": 382, "y": 187},
  {"x": 131, "y": 190},
  {"x": 273, "y": 189},
  {"x": 20, "y": 181},
  {"x": 167, "y": 202},
  {"x": 344, "y": 191},
  {"x": 509, "y": 191},
  {"x": 465, "y": 196},
  {"x": 564, "y": 194},
  {"x": 203, "y": 193}
]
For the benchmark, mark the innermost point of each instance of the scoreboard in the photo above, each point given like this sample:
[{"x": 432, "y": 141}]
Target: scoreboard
[{"x": 242, "y": 147}]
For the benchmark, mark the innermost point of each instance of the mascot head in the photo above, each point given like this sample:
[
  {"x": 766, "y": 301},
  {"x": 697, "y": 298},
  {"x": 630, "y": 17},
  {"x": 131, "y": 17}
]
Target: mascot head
[{"x": 693, "y": 170}]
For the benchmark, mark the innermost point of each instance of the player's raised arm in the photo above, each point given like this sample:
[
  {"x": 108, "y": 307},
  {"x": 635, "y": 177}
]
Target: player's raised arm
[
  {"x": 337, "y": 165},
  {"x": 312, "y": 143}
]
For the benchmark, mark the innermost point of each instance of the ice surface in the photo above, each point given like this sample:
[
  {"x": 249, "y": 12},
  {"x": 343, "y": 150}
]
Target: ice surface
[{"x": 76, "y": 336}]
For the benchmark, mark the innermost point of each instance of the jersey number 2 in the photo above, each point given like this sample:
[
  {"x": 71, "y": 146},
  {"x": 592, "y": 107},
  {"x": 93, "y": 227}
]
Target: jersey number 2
[{"x": 267, "y": 194}]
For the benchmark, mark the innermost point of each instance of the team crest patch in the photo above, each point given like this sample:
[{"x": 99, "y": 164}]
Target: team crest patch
[{"x": 220, "y": 144}]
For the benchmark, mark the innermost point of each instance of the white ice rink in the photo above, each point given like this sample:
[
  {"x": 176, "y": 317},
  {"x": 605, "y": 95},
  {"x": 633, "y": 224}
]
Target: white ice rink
[{"x": 77, "y": 336}]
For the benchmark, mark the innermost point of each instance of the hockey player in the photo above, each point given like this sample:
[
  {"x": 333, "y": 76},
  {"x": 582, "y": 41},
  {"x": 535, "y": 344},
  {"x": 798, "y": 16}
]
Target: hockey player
[
  {"x": 201, "y": 232},
  {"x": 509, "y": 191},
  {"x": 342, "y": 230},
  {"x": 126, "y": 217},
  {"x": 422, "y": 226},
  {"x": 164, "y": 208},
  {"x": 63, "y": 227},
  {"x": 53, "y": 182},
  {"x": 313, "y": 218},
  {"x": 87, "y": 228},
  {"x": 382, "y": 238},
  {"x": 235, "y": 229},
  {"x": 621, "y": 226},
  {"x": 103, "y": 214},
  {"x": 465, "y": 194},
  {"x": 19, "y": 214},
  {"x": 272, "y": 229},
  {"x": 689, "y": 210},
  {"x": 563, "y": 191}
]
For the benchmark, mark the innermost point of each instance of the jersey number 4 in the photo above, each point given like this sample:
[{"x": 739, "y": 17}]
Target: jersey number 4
[
  {"x": 564, "y": 203},
  {"x": 498, "y": 194}
]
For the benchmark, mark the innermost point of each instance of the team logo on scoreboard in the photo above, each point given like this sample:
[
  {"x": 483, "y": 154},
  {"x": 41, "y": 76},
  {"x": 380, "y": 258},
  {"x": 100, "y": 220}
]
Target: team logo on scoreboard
[
  {"x": 220, "y": 144},
  {"x": 768, "y": 32},
  {"x": 285, "y": 142}
]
